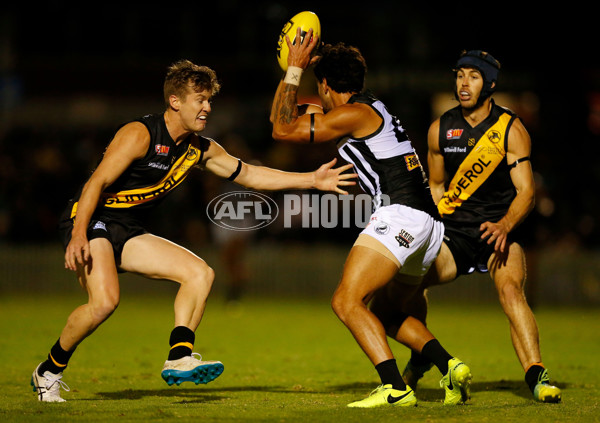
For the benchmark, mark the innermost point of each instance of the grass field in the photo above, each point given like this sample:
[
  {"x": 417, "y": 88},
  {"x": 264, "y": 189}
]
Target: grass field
[{"x": 286, "y": 361}]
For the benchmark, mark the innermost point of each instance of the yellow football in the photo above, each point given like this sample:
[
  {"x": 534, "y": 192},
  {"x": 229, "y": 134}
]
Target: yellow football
[{"x": 305, "y": 20}]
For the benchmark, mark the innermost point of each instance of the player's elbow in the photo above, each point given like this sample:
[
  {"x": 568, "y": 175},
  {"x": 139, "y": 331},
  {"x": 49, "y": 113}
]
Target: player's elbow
[
  {"x": 279, "y": 134},
  {"x": 275, "y": 134},
  {"x": 529, "y": 193},
  {"x": 437, "y": 190},
  {"x": 532, "y": 201}
]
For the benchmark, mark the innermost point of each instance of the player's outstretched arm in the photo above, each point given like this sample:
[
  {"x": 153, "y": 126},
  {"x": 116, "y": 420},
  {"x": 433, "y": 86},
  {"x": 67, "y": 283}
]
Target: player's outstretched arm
[{"x": 326, "y": 178}]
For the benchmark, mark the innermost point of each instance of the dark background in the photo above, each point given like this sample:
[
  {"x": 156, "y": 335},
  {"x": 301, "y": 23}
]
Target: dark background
[{"x": 70, "y": 76}]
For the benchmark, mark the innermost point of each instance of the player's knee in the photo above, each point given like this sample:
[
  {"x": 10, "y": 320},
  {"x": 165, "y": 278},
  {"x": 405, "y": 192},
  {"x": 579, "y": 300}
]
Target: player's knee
[
  {"x": 102, "y": 308},
  {"x": 342, "y": 305},
  {"x": 201, "y": 276},
  {"x": 208, "y": 274},
  {"x": 337, "y": 304},
  {"x": 511, "y": 293}
]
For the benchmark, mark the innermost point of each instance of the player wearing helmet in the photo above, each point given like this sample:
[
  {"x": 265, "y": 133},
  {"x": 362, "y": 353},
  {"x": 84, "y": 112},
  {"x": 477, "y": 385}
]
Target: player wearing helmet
[{"x": 484, "y": 149}]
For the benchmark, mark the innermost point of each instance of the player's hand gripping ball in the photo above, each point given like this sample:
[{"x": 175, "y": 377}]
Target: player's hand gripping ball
[{"x": 305, "y": 20}]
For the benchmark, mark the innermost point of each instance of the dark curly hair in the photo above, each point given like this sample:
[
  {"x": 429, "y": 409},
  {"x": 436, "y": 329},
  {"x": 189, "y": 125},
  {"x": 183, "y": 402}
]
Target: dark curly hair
[
  {"x": 343, "y": 66},
  {"x": 184, "y": 73}
]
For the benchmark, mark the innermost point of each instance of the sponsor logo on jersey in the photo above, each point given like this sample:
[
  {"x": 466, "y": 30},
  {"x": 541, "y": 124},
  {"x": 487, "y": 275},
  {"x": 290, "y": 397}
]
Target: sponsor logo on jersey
[
  {"x": 191, "y": 154},
  {"x": 462, "y": 185},
  {"x": 158, "y": 166},
  {"x": 100, "y": 225},
  {"x": 454, "y": 134},
  {"x": 488, "y": 150},
  {"x": 494, "y": 136},
  {"x": 382, "y": 228},
  {"x": 162, "y": 150},
  {"x": 412, "y": 161},
  {"x": 404, "y": 238},
  {"x": 469, "y": 176},
  {"x": 455, "y": 149}
]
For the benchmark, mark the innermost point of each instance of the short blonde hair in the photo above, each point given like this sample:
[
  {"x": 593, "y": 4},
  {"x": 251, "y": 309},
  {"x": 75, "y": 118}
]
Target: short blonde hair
[{"x": 183, "y": 74}]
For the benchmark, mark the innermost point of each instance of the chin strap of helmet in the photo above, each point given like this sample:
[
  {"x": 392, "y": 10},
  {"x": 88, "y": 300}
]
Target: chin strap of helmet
[{"x": 486, "y": 65}]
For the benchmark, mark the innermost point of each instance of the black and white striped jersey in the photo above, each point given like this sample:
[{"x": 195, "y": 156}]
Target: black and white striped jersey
[{"x": 387, "y": 165}]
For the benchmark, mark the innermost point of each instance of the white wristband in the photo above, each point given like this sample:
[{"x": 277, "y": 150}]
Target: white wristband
[{"x": 293, "y": 75}]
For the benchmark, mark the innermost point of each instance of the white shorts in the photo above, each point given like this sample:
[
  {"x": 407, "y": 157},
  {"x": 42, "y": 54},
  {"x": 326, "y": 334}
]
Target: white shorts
[{"x": 409, "y": 237}]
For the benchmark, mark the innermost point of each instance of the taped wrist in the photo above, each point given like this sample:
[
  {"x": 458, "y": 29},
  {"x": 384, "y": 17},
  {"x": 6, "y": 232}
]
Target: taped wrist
[{"x": 293, "y": 75}]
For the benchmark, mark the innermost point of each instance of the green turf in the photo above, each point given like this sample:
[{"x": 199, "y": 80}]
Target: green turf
[{"x": 285, "y": 361}]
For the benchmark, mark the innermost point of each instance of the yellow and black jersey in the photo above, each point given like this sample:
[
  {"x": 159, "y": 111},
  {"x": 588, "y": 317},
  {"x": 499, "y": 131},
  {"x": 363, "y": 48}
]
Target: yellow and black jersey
[
  {"x": 148, "y": 180},
  {"x": 479, "y": 187}
]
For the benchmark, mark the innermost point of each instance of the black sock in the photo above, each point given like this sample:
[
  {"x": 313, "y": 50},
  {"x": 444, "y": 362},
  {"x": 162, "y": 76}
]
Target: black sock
[
  {"x": 417, "y": 359},
  {"x": 435, "y": 353},
  {"x": 532, "y": 375},
  {"x": 181, "y": 342},
  {"x": 57, "y": 360},
  {"x": 390, "y": 375}
]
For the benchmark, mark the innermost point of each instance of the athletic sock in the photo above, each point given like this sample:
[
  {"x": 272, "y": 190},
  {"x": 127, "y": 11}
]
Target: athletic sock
[
  {"x": 532, "y": 375},
  {"x": 390, "y": 375},
  {"x": 57, "y": 360},
  {"x": 181, "y": 342},
  {"x": 436, "y": 354},
  {"x": 418, "y": 360}
]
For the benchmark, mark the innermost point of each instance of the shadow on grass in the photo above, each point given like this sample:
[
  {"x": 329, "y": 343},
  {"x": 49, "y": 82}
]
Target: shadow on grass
[
  {"x": 188, "y": 395},
  {"x": 203, "y": 395},
  {"x": 517, "y": 387}
]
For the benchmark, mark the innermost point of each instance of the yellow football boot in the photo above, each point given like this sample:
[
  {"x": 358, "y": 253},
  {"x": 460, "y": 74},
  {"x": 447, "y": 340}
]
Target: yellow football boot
[
  {"x": 457, "y": 382},
  {"x": 386, "y": 396},
  {"x": 544, "y": 392}
]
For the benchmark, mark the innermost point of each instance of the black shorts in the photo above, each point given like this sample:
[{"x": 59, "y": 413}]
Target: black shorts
[
  {"x": 116, "y": 227},
  {"x": 470, "y": 252}
]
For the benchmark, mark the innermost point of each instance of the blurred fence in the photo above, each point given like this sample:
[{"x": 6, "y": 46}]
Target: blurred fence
[{"x": 308, "y": 270}]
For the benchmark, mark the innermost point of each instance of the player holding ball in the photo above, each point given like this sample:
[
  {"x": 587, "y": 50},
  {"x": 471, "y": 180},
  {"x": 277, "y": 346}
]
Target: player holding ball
[{"x": 403, "y": 238}]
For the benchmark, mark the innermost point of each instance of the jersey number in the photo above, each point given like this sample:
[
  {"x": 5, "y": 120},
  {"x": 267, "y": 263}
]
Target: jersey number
[{"x": 399, "y": 130}]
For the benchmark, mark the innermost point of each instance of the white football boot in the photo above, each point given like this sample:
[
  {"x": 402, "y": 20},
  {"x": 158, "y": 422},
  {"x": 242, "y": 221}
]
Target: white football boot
[
  {"x": 48, "y": 386},
  {"x": 191, "y": 369}
]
